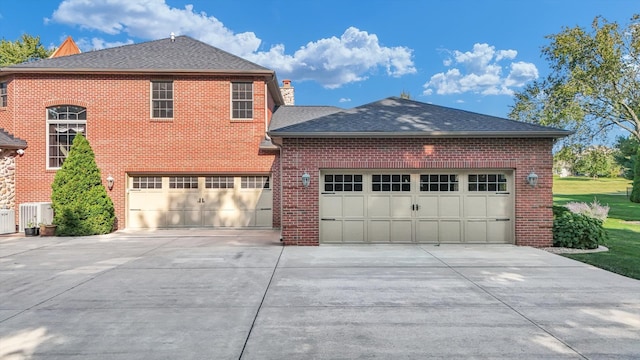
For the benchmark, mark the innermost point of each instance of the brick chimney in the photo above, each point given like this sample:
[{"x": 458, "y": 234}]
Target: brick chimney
[{"x": 287, "y": 92}]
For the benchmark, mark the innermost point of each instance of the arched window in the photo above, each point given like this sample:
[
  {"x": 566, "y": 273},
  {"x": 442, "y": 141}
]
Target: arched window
[{"x": 63, "y": 123}]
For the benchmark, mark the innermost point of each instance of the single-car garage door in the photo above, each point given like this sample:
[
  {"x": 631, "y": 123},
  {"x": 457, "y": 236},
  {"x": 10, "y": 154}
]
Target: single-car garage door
[
  {"x": 416, "y": 206},
  {"x": 199, "y": 201}
]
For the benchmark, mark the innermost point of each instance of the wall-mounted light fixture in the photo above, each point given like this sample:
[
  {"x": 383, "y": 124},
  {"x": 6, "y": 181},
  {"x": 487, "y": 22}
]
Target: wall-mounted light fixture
[
  {"x": 306, "y": 179},
  {"x": 20, "y": 152},
  {"x": 532, "y": 179},
  {"x": 110, "y": 181}
]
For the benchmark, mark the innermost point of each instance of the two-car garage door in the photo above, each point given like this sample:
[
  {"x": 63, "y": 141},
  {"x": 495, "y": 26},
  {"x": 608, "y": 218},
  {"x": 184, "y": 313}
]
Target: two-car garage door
[
  {"x": 412, "y": 206},
  {"x": 199, "y": 201}
]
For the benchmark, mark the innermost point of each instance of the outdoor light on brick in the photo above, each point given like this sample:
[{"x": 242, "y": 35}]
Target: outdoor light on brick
[
  {"x": 306, "y": 179},
  {"x": 532, "y": 179},
  {"x": 110, "y": 181}
]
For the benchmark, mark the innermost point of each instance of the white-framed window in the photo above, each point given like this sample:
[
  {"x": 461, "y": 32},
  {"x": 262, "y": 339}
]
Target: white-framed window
[
  {"x": 162, "y": 99},
  {"x": 487, "y": 182},
  {"x": 343, "y": 182},
  {"x": 183, "y": 182},
  {"x": 64, "y": 122},
  {"x": 3, "y": 94},
  {"x": 241, "y": 100},
  {"x": 147, "y": 182},
  {"x": 219, "y": 182},
  {"x": 254, "y": 182}
]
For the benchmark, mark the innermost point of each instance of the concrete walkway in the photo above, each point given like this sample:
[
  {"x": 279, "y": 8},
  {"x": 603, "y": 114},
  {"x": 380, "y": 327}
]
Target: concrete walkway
[{"x": 241, "y": 295}]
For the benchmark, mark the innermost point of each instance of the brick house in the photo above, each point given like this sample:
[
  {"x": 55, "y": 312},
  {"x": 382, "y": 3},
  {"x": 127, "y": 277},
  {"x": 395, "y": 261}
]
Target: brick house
[{"x": 193, "y": 136}]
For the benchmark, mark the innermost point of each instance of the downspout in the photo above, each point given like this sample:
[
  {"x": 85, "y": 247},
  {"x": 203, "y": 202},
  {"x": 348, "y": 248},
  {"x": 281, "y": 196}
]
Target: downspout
[
  {"x": 266, "y": 111},
  {"x": 279, "y": 145}
]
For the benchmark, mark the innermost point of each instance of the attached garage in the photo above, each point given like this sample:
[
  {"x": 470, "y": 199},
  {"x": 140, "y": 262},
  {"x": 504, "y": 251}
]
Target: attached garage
[
  {"x": 190, "y": 201},
  {"x": 402, "y": 171},
  {"x": 445, "y": 206}
]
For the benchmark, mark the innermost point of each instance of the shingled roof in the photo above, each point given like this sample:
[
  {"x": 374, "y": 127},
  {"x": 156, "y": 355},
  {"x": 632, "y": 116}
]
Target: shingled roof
[
  {"x": 8, "y": 141},
  {"x": 397, "y": 117},
  {"x": 184, "y": 54}
]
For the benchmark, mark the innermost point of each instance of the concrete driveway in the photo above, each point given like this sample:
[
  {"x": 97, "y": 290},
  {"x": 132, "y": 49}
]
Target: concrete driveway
[{"x": 240, "y": 295}]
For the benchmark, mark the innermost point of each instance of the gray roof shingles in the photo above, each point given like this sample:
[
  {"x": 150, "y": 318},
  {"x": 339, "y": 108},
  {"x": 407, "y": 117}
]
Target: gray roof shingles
[
  {"x": 183, "y": 54},
  {"x": 395, "y": 116},
  {"x": 8, "y": 141}
]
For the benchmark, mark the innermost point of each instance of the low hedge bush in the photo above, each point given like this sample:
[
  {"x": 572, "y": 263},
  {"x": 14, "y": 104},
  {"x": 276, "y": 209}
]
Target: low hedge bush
[{"x": 577, "y": 231}]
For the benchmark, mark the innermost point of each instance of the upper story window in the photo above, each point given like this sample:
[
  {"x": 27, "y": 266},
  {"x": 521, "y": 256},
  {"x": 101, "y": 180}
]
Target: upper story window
[
  {"x": 241, "y": 100},
  {"x": 64, "y": 122},
  {"x": 162, "y": 99},
  {"x": 3, "y": 94}
]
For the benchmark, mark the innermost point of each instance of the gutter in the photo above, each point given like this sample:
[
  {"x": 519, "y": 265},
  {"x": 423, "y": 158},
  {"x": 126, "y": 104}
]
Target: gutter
[{"x": 423, "y": 134}]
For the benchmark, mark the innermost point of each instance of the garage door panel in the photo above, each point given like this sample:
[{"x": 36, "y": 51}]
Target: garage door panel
[
  {"x": 379, "y": 231},
  {"x": 331, "y": 231},
  {"x": 379, "y": 206},
  {"x": 498, "y": 206},
  {"x": 147, "y": 200},
  {"x": 401, "y": 231},
  {"x": 428, "y": 206},
  {"x": 475, "y": 206},
  {"x": 146, "y": 219},
  {"x": 353, "y": 206},
  {"x": 450, "y": 206},
  {"x": 476, "y": 231},
  {"x": 498, "y": 231},
  {"x": 427, "y": 231},
  {"x": 450, "y": 231},
  {"x": 185, "y": 199},
  {"x": 354, "y": 231},
  {"x": 218, "y": 199},
  {"x": 331, "y": 206},
  {"x": 401, "y": 206}
]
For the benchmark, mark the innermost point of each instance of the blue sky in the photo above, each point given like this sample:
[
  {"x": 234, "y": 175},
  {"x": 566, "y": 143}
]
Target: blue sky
[{"x": 466, "y": 54}]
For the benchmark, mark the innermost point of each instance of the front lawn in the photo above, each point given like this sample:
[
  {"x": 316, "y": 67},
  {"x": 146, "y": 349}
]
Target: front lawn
[{"x": 623, "y": 224}]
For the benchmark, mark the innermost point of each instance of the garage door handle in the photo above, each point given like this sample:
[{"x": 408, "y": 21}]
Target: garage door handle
[{"x": 327, "y": 219}]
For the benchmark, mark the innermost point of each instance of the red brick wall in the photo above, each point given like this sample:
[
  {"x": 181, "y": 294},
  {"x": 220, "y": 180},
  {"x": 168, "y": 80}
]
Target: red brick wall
[
  {"x": 200, "y": 138},
  {"x": 6, "y": 113},
  {"x": 534, "y": 219}
]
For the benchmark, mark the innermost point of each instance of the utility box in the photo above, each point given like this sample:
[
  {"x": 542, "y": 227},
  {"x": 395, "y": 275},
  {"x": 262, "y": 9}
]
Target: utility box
[
  {"x": 36, "y": 213},
  {"x": 7, "y": 221}
]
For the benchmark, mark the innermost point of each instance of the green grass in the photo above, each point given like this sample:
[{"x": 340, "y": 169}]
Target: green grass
[{"x": 623, "y": 224}]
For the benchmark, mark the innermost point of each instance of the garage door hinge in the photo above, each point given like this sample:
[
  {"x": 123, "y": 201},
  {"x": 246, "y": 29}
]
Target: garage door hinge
[
  {"x": 327, "y": 219},
  {"x": 328, "y": 193},
  {"x": 265, "y": 208},
  {"x": 502, "y": 193},
  {"x": 503, "y": 219}
]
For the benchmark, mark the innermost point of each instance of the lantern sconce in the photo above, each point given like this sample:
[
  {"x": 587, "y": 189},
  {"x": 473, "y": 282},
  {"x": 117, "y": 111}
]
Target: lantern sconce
[
  {"x": 532, "y": 179},
  {"x": 306, "y": 179},
  {"x": 110, "y": 181}
]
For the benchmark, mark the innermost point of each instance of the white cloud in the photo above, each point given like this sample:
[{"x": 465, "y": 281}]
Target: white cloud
[
  {"x": 344, "y": 100},
  {"x": 480, "y": 71},
  {"x": 332, "y": 62},
  {"x": 335, "y": 61}
]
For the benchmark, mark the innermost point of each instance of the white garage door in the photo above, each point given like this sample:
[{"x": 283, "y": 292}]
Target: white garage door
[
  {"x": 199, "y": 201},
  {"x": 423, "y": 207}
]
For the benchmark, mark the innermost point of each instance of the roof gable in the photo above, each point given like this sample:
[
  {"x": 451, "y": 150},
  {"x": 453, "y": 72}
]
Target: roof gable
[
  {"x": 394, "y": 116},
  {"x": 68, "y": 47},
  {"x": 182, "y": 54},
  {"x": 8, "y": 141}
]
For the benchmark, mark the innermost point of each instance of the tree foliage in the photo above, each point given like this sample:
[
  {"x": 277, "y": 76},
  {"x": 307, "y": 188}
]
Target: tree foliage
[
  {"x": 27, "y": 48},
  {"x": 80, "y": 202},
  {"x": 625, "y": 156},
  {"x": 597, "y": 161},
  {"x": 635, "y": 191},
  {"x": 592, "y": 86}
]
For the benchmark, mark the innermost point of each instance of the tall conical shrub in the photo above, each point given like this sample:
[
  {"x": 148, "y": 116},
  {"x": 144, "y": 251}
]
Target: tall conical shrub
[
  {"x": 80, "y": 202},
  {"x": 635, "y": 191}
]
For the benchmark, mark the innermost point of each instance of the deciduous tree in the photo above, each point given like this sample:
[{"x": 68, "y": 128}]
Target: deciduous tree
[
  {"x": 593, "y": 83},
  {"x": 27, "y": 48}
]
